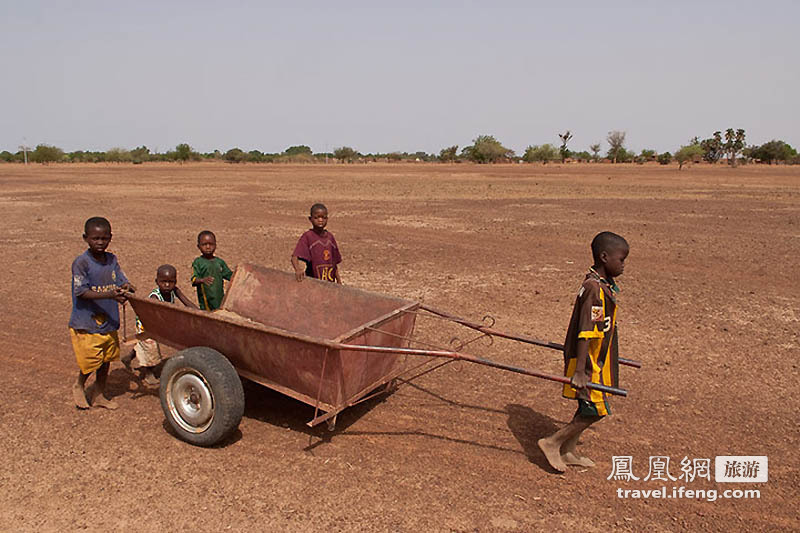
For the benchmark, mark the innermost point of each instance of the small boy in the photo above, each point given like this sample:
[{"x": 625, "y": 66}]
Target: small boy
[
  {"x": 146, "y": 355},
  {"x": 98, "y": 283},
  {"x": 317, "y": 248},
  {"x": 208, "y": 272},
  {"x": 590, "y": 350}
]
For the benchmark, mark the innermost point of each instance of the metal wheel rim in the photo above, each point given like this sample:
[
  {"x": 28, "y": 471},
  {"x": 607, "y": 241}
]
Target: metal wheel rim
[{"x": 190, "y": 400}]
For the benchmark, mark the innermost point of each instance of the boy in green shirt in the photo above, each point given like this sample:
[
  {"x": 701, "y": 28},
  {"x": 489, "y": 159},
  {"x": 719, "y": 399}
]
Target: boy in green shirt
[{"x": 208, "y": 272}]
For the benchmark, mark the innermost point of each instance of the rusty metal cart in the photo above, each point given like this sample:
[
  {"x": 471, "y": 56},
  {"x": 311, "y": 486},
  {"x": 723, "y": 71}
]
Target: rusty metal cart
[{"x": 324, "y": 344}]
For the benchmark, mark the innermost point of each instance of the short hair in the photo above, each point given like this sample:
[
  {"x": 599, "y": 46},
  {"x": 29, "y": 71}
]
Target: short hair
[
  {"x": 605, "y": 241},
  {"x": 205, "y": 232},
  {"x": 96, "y": 222},
  {"x": 166, "y": 268},
  {"x": 317, "y": 207}
]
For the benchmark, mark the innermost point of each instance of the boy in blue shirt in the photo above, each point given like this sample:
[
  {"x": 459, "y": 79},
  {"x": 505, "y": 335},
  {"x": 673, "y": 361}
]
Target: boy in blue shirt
[{"x": 98, "y": 283}]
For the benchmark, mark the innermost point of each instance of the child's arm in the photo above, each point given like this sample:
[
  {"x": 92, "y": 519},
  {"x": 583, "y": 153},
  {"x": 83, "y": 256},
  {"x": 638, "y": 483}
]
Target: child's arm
[
  {"x": 197, "y": 280},
  {"x": 117, "y": 294},
  {"x": 121, "y": 277},
  {"x": 184, "y": 300},
  {"x": 338, "y": 278},
  {"x": 226, "y": 272},
  {"x": 299, "y": 270},
  {"x": 591, "y": 327},
  {"x": 579, "y": 378},
  {"x": 128, "y": 287}
]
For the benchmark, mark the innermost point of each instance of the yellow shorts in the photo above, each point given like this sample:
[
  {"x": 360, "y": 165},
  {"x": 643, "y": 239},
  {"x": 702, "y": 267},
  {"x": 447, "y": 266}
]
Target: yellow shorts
[{"x": 92, "y": 350}]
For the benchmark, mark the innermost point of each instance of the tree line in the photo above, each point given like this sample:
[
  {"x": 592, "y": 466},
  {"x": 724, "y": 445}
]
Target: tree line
[{"x": 729, "y": 145}]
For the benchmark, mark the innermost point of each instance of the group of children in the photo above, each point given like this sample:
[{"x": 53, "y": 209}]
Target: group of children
[{"x": 99, "y": 284}]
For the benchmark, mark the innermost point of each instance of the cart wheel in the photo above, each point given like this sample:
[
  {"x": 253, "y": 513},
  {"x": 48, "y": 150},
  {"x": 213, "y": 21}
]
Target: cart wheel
[{"x": 201, "y": 395}]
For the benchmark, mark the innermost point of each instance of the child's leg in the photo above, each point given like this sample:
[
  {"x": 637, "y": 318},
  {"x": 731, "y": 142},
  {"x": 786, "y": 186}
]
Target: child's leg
[
  {"x": 569, "y": 453},
  {"x": 148, "y": 375},
  {"x": 127, "y": 359},
  {"x": 99, "y": 399},
  {"x": 78, "y": 391},
  {"x": 552, "y": 446}
]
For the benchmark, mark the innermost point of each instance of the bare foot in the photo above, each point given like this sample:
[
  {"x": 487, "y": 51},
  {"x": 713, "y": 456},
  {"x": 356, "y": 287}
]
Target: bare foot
[
  {"x": 553, "y": 454},
  {"x": 98, "y": 400},
  {"x": 574, "y": 459},
  {"x": 79, "y": 397}
]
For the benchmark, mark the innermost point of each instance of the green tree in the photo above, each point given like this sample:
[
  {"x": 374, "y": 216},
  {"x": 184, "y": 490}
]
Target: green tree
[
  {"x": 712, "y": 147},
  {"x": 565, "y": 138},
  {"x": 140, "y": 154},
  {"x": 595, "y": 149},
  {"x": 7, "y": 156},
  {"x": 184, "y": 152},
  {"x": 665, "y": 158},
  {"x": 648, "y": 155},
  {"x": 486, "y": 149},
  {"x": 44, "y": 153},
  {"x": 345, "y": 154},
  {"x": 118, "y": 155},
  {"x": 734, "y": 143},
  {"x": 234, "y": 155},
  {"x": 773, "y": 151},
  {"x": 255, "y": 156},
  {"x": 616, "y": 143},
  {"x": 691, "y": 152},
  {"x": 543, "y": 153},
  {"x": 449, "y": 154},
  {"x": 583, "y": 156},
  {"x": 298, "y": 150}
]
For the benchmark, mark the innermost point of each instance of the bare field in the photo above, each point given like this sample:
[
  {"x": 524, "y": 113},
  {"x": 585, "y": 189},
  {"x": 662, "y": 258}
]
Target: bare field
[{"x": 708, "y": 305}]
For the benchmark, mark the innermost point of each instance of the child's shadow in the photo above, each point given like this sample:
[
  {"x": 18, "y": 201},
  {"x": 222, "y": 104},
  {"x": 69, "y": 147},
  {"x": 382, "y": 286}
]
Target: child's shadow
[
  {"x": 121, "y": 382},
  {"x": 528, "y": 427}
]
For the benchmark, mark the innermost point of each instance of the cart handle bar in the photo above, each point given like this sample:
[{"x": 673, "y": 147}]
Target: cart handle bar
[
  {"x": 478, "y": 360},
  {"x": 521, "y": 338}
]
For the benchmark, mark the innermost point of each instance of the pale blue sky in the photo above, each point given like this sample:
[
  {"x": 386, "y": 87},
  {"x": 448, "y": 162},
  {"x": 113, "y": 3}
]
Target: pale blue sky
[{"x": 405, "y": 76}]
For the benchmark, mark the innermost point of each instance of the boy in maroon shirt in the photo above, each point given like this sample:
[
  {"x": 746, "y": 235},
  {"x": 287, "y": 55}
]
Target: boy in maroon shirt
[{"x": 317, "y": 248}]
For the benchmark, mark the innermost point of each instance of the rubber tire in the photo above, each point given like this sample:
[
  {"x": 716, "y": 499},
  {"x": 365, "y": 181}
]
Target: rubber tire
[{"x": 224, "y": 385}]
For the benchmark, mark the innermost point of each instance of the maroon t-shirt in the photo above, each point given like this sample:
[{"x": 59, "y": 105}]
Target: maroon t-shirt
[{"x": 321, "y": 253}]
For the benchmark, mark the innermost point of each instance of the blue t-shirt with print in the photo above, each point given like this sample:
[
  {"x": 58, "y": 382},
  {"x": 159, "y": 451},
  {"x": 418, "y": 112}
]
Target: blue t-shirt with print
[{"x": 95, "y": 316}]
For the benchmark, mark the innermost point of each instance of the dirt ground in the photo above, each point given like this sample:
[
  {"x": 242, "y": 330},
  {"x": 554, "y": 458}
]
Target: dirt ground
[{"x": 708, "y": 305}]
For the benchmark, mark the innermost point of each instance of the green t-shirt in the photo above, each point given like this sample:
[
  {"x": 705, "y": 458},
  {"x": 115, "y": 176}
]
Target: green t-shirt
[{"x": 210, "y": 296}]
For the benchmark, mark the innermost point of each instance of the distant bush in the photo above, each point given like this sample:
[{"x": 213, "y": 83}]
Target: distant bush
[
  {"x": 583, "y": 156},
  {"x": 691, "y": 152},
  {"x": 297, "y": 150},
  {"x": 486, "y": 149},
  {"x": 44, "y": 153},
  {"x": 773, "y": 151},
  {"x": 543, "y": 153},
  {"x": 118, "y": 155},
  {"x": 345, "y": 154},
  {"x": 665, "y": 158},
  {"x": 234, "y": 155},
  {"x": 449, "y": 154},
  {"x": 648, "y": 155},
  {"x": 140, "y": 154}
]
